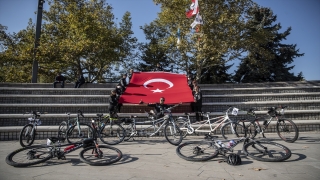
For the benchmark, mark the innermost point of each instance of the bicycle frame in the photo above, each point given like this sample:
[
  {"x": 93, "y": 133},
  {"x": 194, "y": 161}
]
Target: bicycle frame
[
  {"x": 75, "y": 120},
  {"x": 56, "y": 149},
  {"x": 267, "y": 122},
  {"x": 218, "y": 121},
  {"x": 164, "y": 120},
  {"x": 34, "y": 122}
]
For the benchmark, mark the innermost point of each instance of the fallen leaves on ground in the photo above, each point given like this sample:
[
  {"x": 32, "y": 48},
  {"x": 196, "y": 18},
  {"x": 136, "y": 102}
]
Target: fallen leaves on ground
[{"x": 258, "y": 169}]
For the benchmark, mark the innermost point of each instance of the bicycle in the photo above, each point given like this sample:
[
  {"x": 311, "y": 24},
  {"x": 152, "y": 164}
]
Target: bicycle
[
  {"x": 28, "y": 133},
  {"x": 92, "y": 153},
  {"x": 221, "y": 121},
  {"x": 266, "y": 151},
  {"x": 108, "y": 131},
  {"x": 73, "y": 130},
  {"x": 286, "y": 129},
  {"x": 171, "y": 131}
]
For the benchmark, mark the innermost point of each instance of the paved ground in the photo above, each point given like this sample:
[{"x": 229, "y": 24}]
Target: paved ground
[{"x": 154, "y": 158}]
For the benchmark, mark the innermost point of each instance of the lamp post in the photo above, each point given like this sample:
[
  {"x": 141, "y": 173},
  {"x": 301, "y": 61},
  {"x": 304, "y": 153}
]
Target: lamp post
[{"x": 36, "y": 42}]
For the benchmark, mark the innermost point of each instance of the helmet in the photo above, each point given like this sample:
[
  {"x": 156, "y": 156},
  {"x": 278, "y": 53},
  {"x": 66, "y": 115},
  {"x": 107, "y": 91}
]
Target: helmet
[{"x": 234, "y": 159}]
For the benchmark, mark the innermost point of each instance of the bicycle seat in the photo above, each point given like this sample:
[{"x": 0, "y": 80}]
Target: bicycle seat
[{"x": 187, "y": 114}]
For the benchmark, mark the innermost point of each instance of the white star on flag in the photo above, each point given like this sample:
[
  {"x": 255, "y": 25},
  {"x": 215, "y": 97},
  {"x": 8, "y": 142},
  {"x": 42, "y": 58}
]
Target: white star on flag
[{"x": 157, "y": 90}]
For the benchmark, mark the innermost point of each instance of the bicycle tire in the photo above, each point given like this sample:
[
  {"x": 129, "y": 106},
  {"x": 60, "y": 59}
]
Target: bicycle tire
[
  {"x": 63, "y": 128},
  {"x": 270, "y": 152},
  {"x": 182, "y": 124},
  {"x": 239, "y": 130},
  {"x": 176, "y": 135},
  {"x": 27, "y": 136},
  {"x": 73, "y": 133},
  {"x": 128, "y": 131},
  {"x": 110, "y": 155},
  {"x": 286, "y": 128},
  {"x": 18, "y": 157},
  {"x": 112, "y": 134},
  {"x": 197, "y": 151},
  {"x": 251, "y": 130}
]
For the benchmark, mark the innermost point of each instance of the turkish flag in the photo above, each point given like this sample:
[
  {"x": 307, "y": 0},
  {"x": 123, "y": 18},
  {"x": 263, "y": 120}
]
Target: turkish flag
[
  {"x": 194, "y": 9},
  {"x": 151, "y": 86}
]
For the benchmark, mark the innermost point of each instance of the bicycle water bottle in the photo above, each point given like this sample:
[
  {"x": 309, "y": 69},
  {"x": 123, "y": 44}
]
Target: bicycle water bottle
[
  {"x": 220, "y": 143},
  {"x": 68, "y": 148}
]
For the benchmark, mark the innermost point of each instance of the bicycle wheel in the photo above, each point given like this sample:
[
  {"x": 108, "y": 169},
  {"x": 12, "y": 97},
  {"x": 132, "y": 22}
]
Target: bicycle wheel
[
  {"x": 26, "y": 136},
  {"x": 173, "y": 135},
  {"x": 63, "y": 127},
  {"x": 197, "y": 151},
  {"x": 108, "y": 155},
  {"x": 251, "y": 130},
  {"x": 232, "y": 130},
  {"x": 266, "y": 151},
  {"x": 287, "y": 130},
  {"x": 74, "y": 134},
  {"x": 28, "y": 156},
  {"x": 112, "y": 134},
  {"x": 183, "y": 125},
  {"x": 129, "y": 131}
]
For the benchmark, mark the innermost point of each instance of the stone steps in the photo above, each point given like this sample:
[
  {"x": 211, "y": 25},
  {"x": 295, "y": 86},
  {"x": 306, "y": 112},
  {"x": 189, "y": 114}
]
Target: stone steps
[
  {"x": 93, "y": 99},
  {"x": 302, "y": 99},
  {"x": 259, "y": 90}
]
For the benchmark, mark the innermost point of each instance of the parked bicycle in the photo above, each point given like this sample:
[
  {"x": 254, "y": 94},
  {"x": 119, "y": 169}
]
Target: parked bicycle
[
  {"x": 108, "y": 130},
  {"x": 286, "y": 129},
  {"x": 266, "y": 151},
  {"x": 73, "y": 130},
  {"x": 210, "y": 125},
  {"x": 92, "y": 153},
  {"x": 171, "y": 131},
  {"x": 29, "y": 131}
]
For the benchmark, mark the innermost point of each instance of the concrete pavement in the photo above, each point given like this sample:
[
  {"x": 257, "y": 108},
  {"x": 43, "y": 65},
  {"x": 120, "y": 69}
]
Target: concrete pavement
[{"x": 155, "y": 158}]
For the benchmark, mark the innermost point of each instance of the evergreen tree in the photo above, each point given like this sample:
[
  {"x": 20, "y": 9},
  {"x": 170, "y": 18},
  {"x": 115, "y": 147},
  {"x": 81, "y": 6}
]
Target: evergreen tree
[
  {"x": 154, "y": 51},
  {"x": 267, "y": 58}
]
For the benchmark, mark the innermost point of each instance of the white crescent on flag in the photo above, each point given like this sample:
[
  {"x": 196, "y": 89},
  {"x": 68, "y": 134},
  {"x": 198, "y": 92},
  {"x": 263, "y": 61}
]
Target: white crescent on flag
[{"x": 158, "y": 80}]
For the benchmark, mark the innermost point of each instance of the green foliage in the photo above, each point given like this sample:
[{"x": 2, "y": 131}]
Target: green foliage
[
  {"x": 267, "y": 58},
  {"x": 78, "y": 37},
  {"x": 219, "y": 37},
  {"x": 154, "y": 51}
]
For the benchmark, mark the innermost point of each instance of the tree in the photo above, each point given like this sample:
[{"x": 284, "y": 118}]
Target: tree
[
  {"x": 78, "y": 37},
  {"x": 16, "y": 54},
  {"x": 267, "y": 58},
  {"x": 218, "y": 38},
  {"x": 154, "y": 51}
]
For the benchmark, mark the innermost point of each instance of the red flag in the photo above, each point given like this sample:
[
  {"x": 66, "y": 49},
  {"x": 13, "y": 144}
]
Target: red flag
[
  {"x": 194, "y": 9},
  {"x": 151, "y": 86}
]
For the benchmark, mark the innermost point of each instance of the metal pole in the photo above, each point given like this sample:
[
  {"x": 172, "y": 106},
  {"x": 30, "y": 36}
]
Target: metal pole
[{"x": 36, "y": 42}]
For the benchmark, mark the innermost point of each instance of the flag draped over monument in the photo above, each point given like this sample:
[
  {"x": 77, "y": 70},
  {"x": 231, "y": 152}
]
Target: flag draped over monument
[{"x": 150, "y": 86}]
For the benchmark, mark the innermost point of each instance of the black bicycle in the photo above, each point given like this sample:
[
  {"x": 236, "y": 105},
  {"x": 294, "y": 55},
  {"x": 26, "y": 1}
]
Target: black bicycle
[
  {"x": 29, "y": 131},
  {"x": 73, "y": 130},
  {"x": 92, "y": 153},
  {"x": 108, "y": 130},
  {"x": 266, "y": 151},
  {"x": 286, "y": 129}
]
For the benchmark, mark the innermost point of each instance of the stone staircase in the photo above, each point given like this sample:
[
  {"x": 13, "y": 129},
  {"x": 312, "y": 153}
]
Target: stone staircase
[{"x": 302, "y": 99}]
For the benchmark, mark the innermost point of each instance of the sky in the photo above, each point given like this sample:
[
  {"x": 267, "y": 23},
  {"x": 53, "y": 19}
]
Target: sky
[{"x": 301, "y": 15}]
